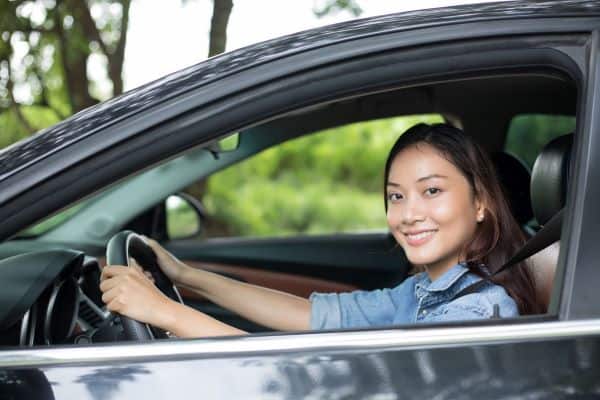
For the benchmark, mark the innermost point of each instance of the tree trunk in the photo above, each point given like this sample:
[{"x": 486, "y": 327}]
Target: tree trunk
[
  {"x": 76, "y": 55},
  {"x": 115, "y": 60},
  {"x": 218, "y": 26}
]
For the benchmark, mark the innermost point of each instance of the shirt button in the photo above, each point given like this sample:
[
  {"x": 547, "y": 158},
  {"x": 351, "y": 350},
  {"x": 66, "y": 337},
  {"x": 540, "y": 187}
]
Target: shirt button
[{"x": 424, "y": 312}]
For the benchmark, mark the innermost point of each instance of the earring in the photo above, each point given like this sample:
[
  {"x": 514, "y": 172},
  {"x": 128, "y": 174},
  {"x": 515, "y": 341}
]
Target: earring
[{"x": 480, "y": 217}]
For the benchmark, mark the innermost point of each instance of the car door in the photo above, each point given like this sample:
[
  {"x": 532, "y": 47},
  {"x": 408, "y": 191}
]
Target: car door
[{"x": 552, "y": 355}]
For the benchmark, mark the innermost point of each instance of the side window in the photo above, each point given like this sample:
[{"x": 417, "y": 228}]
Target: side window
[
  {"x": 322, "y": 183},
  {"x": 528, "y": 133}
]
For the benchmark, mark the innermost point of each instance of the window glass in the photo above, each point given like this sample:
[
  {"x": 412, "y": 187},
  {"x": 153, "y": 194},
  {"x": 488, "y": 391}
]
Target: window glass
[
  {"x": 528, "y": 133},
  {"x": 51, "y": 222},
  {"x": 327, "y": 182}
]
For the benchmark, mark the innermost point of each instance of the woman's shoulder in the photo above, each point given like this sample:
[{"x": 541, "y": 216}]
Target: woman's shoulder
[{"x": 485, "y": 301}]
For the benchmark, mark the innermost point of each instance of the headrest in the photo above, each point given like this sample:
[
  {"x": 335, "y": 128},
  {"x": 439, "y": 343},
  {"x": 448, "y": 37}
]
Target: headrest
[
  {"x": 549, "y": 178},
  {"x": 514, "y": 177}
]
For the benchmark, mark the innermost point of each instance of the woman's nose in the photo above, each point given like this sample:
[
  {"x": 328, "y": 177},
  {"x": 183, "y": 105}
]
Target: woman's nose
[{"x": 412, "y": 211}]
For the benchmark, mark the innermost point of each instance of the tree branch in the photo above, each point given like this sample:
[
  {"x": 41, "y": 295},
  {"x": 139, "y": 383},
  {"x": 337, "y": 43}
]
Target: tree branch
[
  {"x": 90, "y": 29},
  {"x": 13, "y": 104},
  {"x": 62, "y": 45}
]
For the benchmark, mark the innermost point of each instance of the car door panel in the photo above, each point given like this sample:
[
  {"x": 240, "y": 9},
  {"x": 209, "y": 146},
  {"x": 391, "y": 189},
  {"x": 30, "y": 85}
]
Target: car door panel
[
  {"x": 557, "y": 369},
  {"x": 366, "y": 261}
]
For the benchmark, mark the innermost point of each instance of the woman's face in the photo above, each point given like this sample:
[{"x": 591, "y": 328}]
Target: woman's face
[{"x": 432, "y": 211}]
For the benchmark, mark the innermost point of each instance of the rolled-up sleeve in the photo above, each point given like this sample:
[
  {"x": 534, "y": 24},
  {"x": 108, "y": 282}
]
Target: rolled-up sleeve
[
  {"x": 351, "y": 310},
  {"x": 325, "y": 311}
]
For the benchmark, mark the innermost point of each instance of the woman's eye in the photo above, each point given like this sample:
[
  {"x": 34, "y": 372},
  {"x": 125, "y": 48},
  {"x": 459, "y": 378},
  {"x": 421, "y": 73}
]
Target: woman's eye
[
  {"x": 432, "y": 191},
  {"x": 394, "y": 196}
]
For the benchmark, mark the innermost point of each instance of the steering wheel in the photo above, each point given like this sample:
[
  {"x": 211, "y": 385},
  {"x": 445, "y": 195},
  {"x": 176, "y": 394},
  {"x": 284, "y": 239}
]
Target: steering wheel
[{"x": 120, "y": 248}]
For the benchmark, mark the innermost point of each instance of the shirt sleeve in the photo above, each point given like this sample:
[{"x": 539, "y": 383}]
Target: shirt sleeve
[{"x": 352, "y": 310}]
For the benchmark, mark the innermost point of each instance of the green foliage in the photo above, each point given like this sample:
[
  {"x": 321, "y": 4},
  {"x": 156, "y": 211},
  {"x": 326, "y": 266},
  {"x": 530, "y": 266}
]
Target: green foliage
[
  {"x": 327, "y": 182},
  {"x": 13, "y": 130},
  {"x": 528, "y": 133},
  {"x": 44, "y": 53},
  {"x": 182, "y": 221}
]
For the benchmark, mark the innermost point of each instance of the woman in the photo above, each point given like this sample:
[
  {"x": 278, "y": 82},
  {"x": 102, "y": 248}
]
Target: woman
[{"x": 445, "y": 208}]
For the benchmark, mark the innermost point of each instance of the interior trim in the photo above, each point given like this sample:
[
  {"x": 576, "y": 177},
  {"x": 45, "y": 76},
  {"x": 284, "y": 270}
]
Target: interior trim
[
  {"x": 297, "y": 285},
  {"x": 338, "y": 341}
]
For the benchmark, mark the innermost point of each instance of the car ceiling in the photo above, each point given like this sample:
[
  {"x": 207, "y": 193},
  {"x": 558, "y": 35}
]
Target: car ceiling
[{"x": 483, "y": 107}]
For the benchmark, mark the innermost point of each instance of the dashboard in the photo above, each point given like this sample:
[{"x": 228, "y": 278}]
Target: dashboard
[{"x": 52, "y": 297}]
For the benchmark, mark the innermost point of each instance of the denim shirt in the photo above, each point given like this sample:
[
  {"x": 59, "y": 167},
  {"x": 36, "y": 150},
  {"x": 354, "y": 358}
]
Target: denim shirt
[{"x": 416, "y": 300}]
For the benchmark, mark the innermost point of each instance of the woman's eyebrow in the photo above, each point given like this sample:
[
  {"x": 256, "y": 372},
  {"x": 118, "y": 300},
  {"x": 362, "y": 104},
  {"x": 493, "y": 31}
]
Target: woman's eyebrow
[{"x": 432, "y": 176}]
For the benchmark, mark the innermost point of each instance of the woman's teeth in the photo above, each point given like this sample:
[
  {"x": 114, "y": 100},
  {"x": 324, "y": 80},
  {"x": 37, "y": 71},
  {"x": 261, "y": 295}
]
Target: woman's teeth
[{"x": 421, "y": 235}]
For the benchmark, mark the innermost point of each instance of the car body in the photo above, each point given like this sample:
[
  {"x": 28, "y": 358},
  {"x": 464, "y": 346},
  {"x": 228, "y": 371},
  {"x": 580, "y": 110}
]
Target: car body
[{"x": 478, "y": 65}]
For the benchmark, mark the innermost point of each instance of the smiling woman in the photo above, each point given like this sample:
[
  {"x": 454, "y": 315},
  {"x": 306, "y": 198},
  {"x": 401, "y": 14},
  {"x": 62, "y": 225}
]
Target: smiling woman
[{"x": 444, "y": 207}]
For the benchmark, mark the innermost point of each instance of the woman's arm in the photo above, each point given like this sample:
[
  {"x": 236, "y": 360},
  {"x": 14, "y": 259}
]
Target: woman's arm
[
  {"x": 267, "y": 307},
  {"x": 128, "y": 291}
]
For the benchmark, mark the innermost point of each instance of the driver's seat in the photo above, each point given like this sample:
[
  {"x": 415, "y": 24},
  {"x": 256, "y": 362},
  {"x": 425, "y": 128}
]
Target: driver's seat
[{"x": 549, "y": 179}]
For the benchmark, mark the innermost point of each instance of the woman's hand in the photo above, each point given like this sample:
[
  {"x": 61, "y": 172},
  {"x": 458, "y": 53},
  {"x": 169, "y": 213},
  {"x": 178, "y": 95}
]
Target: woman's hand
[
  {"x": 167, "y": 262},
  {"x": 129, "y": 291}
]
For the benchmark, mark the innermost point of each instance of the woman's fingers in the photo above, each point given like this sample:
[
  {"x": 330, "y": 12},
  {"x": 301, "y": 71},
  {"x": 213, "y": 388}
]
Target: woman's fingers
[
  {"x": 108, "y": 284},
  {"x": 112, "y": 270},
  {"x": 109, "y": 295},
  {"x": 126, "y": 290},
  {"x": 167, "y": 262},
  {"x": 133, "y": 263}
]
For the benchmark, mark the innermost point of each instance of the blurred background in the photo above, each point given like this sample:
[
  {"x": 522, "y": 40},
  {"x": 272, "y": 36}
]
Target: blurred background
[{"x": 58, "y": 57}]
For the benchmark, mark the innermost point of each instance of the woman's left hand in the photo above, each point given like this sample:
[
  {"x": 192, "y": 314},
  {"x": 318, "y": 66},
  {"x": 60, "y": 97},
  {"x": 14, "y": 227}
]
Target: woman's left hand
[{"x": 130, "y": 292}]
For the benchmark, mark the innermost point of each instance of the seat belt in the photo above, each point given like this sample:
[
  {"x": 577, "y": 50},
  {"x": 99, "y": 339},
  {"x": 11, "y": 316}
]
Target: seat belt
[{"x": 549, "y": 234}]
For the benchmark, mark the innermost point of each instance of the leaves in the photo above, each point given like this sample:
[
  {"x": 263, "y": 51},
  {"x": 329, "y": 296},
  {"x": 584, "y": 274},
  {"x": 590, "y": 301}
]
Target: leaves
[
  {"x": 44, "y": 52},
  {"x": 326, "y": 182}
]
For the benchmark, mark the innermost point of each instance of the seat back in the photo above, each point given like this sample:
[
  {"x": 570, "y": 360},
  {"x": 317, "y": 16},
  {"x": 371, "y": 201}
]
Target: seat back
[
  {"x": 549, "y": 179},
  {"x": 515, "y": 178}
]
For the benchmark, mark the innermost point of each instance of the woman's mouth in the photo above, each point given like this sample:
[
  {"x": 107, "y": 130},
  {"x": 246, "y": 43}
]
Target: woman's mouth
[{"x": 419, "y": 238}]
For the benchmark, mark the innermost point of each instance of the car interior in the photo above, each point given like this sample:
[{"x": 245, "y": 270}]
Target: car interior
[{"x": 69, "y": 309}]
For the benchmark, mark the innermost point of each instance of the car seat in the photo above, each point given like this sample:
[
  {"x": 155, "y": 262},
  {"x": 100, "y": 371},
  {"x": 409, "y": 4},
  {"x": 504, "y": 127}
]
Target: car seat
[
  {"x": 549, "y": 179},
  {"x": 515, "y": 178}
]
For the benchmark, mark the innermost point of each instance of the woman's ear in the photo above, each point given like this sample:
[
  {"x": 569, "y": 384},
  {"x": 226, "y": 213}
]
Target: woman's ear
[{"x": 479, "y": 210}]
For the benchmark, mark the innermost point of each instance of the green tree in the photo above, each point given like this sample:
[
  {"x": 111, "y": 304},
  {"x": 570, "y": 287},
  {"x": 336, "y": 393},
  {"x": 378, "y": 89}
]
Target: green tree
[
  {"x": 45, "y": 47},
  {"x": 45, "y": 50}
]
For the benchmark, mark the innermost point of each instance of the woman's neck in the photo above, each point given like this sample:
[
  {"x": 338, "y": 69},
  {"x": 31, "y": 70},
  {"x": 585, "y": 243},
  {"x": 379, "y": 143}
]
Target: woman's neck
[{"x": 434, "y": 271}]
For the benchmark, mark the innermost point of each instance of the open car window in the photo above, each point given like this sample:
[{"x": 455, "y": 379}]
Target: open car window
[
  {"x": 326, "y": 182},
  {"x": 528, "y": 133}
]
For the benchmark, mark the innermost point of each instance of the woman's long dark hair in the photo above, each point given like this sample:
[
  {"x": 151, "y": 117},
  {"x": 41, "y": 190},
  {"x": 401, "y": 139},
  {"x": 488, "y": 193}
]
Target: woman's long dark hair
[{"x": 498, "y": 236}]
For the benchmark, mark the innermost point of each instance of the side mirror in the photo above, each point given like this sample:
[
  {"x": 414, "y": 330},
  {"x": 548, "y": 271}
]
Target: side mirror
[{"x": 184, "y": 215}]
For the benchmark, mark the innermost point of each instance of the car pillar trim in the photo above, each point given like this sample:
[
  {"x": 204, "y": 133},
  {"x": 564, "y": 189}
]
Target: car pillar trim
[{"x": 325, "y": 342}]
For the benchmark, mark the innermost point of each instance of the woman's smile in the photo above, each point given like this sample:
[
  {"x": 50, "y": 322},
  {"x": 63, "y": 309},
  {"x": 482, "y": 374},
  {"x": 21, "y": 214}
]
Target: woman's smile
[{"x": 418, "y": 238}]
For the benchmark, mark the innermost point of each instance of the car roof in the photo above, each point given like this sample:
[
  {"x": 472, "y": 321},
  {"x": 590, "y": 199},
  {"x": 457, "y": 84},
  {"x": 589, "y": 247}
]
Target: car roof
[{"x": 92, "y": 120}]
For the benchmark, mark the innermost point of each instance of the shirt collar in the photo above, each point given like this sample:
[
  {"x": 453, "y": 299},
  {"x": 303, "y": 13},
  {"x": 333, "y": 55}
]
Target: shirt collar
[{"x": 448, "y": 284}]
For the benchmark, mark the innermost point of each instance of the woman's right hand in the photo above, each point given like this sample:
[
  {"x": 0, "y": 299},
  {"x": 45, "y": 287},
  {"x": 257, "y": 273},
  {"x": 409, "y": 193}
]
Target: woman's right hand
[{"x": 167, "y": 262}]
